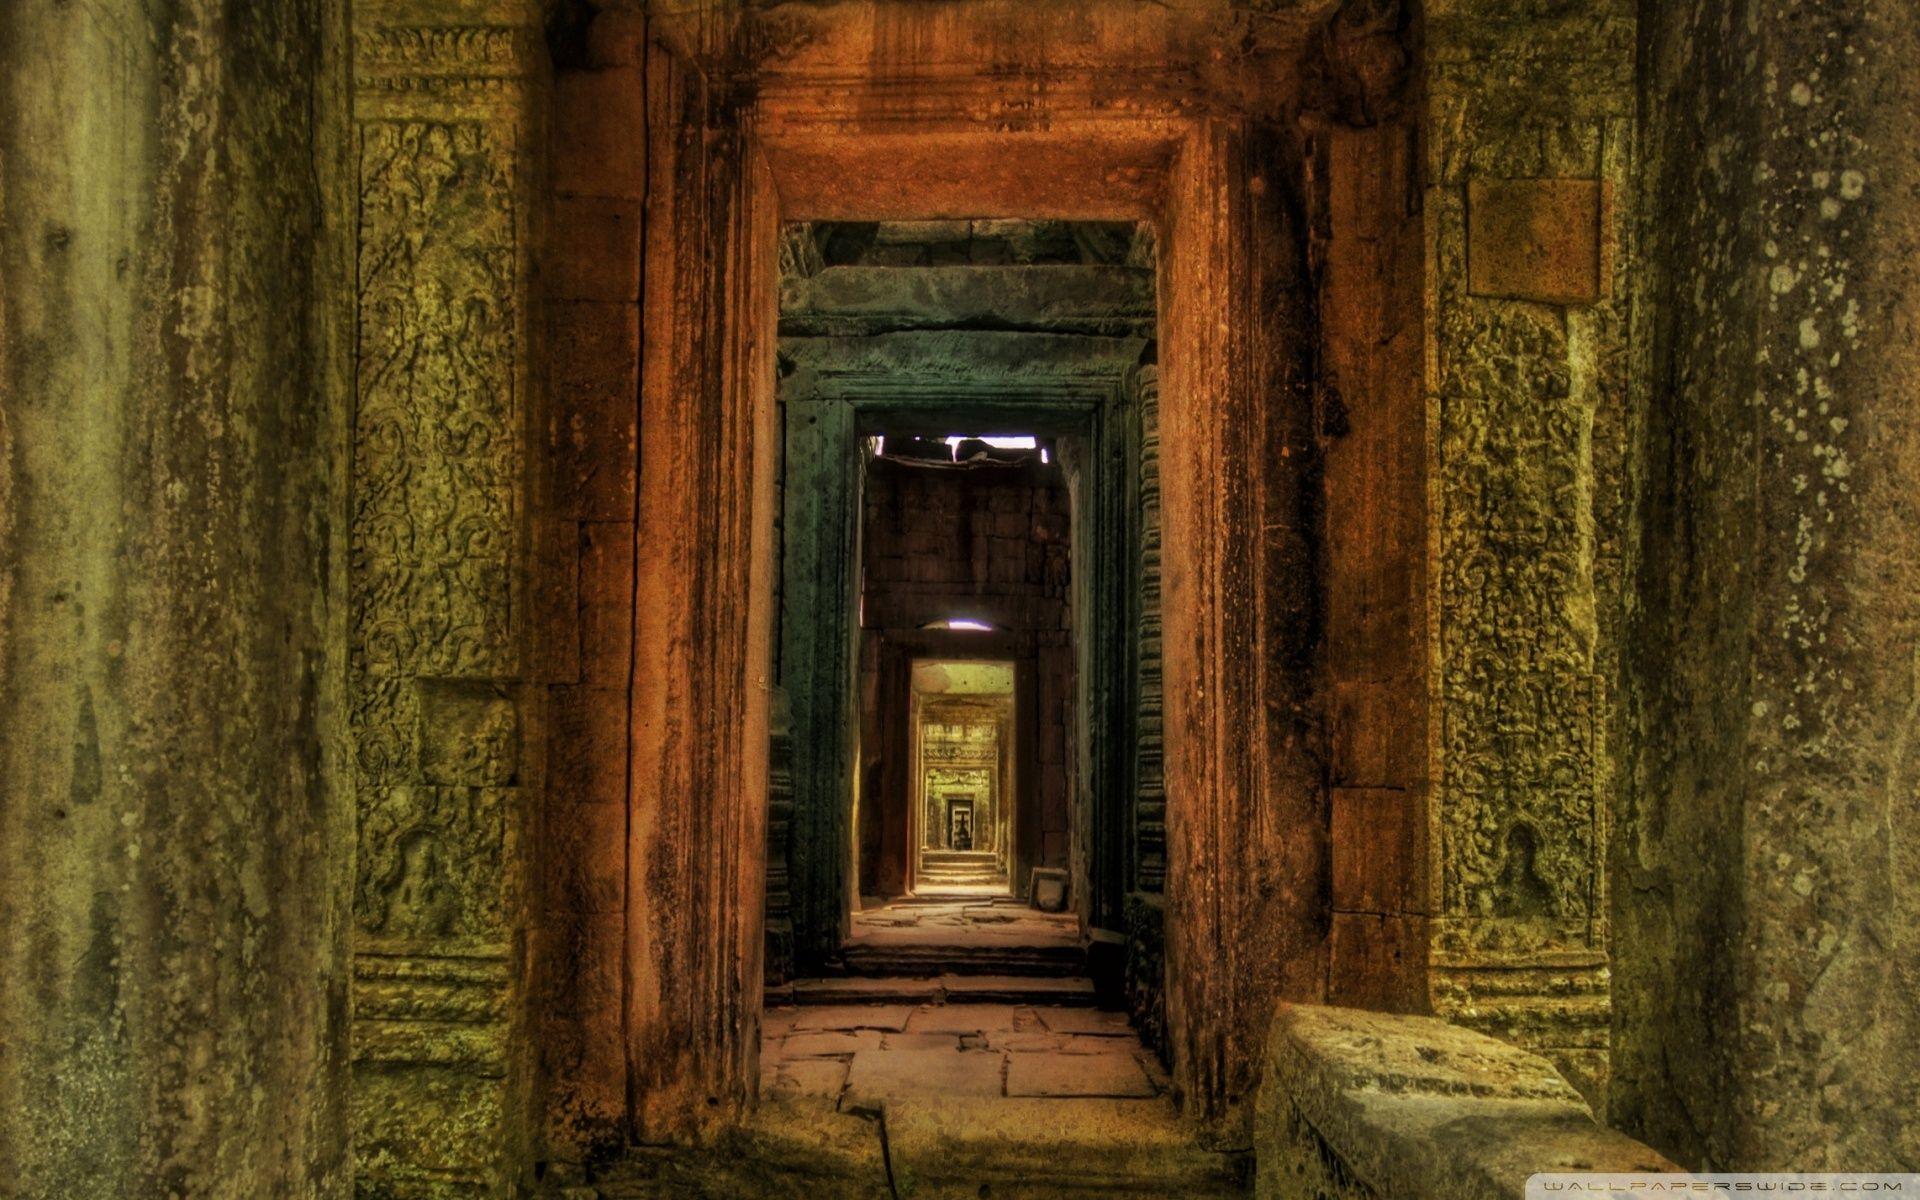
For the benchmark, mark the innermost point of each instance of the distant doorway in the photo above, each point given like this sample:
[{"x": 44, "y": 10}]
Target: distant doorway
[{"x": 963, "y": 776}]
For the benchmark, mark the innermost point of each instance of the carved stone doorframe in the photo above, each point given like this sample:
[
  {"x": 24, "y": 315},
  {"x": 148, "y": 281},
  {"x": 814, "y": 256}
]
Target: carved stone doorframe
[
  {"x": 1190, "y": 177},
  {"x": 450, "y": 472},
  {"x": 839, "y": 390}
]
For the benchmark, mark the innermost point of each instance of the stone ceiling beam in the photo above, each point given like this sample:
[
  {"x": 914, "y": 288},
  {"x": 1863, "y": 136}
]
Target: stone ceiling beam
[
  {"x": 852, "y": 301},
  {"x": 956, "y": 360}
]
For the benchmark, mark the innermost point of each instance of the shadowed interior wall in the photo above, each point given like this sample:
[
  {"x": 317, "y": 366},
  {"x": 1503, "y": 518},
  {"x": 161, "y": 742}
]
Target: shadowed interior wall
[
  {"x": 1766, "y": 925},
  {"x": 583, "y": 556},
  {"x": 172, "y": 802},
  {"x": 987, "y": 542}
]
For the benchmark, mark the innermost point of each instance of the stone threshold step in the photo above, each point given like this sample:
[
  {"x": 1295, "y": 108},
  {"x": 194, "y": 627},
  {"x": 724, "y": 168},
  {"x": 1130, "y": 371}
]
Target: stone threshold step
[
  {"x": 947, "y": 989},
  {"x": 971, "y": 899},
  {"x": 1060, "y": 963},
  {"x": 958, "y": 1148}
]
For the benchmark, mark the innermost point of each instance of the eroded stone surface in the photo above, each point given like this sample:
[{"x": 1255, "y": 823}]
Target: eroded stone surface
[
  {"x": 1103, "y": 1073},
  {"x": 1776, "y": 568},
  {"x": 876, "y": 1076},
  {"x": 1361, "y": 1104},
  {"x": 854, "y": 1016}
]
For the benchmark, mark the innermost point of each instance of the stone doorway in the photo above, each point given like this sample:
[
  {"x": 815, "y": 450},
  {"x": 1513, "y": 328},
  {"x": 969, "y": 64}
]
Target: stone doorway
[
  {"x": 1237, "y": 836},
  {"x": 961, "y": 412},
  {"x": 962, "y": 720},
  {"x": 648, "y": 949}
]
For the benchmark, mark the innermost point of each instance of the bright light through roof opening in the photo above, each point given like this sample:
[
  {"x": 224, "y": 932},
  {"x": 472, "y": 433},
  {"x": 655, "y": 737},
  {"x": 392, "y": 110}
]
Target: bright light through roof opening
[
  {"x": 998, "y": 443},
  {"x": 961, "y": 623}
]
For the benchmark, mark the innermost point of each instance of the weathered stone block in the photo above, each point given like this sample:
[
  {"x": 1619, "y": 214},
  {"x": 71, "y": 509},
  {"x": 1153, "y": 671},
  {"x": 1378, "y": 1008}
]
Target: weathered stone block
[
  {"x": 606, "y": 592},
  {"x": 879, "y": 1075},
  {"x": 605, "y": 150},
  {"x": 595, "y": 249},
  {"x": 1045, "y": 1073},
  {"x": 1519, "y": 851},
  {"x": 1371, "y": 1104},
  {"x": 431, "y": 862},
  {"x": 1509, "y": 354},
  {"x": 1378, "y": 961},
  {"x": 887, "y": 1018},
  {"x": 1537, "y": 239},
  {"x": 1378, "y": 851},
  {"x": 385, "y": 718},
  {"x": 412, "y": 1123},
  {"x": 579, "y": 972},
  {"x": 586, "y": 855},
  {"x": 587, "y": 753},
  {"x": 1379, "y": 733},
  {"x": 447, "y": 617},
  {"x": 1513, "y": 602},
  {"x": 594, "y": 426},
  {"x": 555, "y": 605},
  {"x": 585, "y": 1062},
  {"x": 469, "y": 733}
]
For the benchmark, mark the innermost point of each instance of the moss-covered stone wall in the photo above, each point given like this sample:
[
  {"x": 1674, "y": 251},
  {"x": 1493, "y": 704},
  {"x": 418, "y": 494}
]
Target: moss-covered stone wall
[
  {"x": 1766, "y": 926},
  {"x": 1528, "y": 140},
  {"x": 172, "y": 892}
]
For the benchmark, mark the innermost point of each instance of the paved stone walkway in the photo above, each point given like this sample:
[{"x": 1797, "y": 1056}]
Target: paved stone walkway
[
  {"x": 860, "y": 1056},
  {"x": 961, "y": 922}
]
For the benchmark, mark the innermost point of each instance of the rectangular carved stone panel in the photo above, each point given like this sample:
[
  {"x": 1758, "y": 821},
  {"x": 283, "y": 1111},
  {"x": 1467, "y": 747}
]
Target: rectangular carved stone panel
[
  {"x": 432, "y": 863},
  {"x": 446, "y": 736},
  {"x": 435, "y": 434},
  {"x": 469, "y": 734},
  {"x": 1536, "y": 239}
]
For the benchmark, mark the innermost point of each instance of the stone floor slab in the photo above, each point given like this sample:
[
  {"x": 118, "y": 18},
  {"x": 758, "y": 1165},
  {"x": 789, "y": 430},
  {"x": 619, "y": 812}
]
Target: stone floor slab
[
  {"x": 889, "y": 1017},
  {"x": 820, "y": 1042},
  {"x": 1016, "y": 989},
  {"x": 858, "y": 990},
  {"x": 1085, "y": 1020},
  {"x": 821, "y": 1077},
  {"x": 879, "y": 1075},
  {"x": 778, "y": 1022},
  {"x": 1030, "y": 1040},
  {"x": 920, "y": 1041},
  {"x": 1116, "y": 1075},
  {"x": 971, "y": 1018}
]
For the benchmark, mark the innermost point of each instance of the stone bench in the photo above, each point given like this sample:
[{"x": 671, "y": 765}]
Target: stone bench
[{"x": 1364, "y": 1104}]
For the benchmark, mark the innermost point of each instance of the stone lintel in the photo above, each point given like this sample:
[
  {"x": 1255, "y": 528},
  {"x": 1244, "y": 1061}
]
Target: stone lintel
[
  {"x": 1418, "y": 1109},
  {"x": 994, "y": 361},
  {"x": 843, "y": 301},
  {"x": 1189, "y": 46}
]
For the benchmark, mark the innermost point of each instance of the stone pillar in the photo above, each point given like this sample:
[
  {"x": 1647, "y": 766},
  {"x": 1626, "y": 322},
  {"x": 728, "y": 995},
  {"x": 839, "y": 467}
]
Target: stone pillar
[
  {"x": 820, "y": 524},
  {"x": 440, "y": 715},
  {"x": 1373, "y": 413},
  {"x": 1528, "y": 137},
  {"x": 582, "y": 594},
  {"x": 1767, "y": 921},
  {"x": 1246, "y": 802},
  {"x": 1149, "y": 778},
  {"x": 703, "y": 613},
  {"x": 173, "y": 812}
]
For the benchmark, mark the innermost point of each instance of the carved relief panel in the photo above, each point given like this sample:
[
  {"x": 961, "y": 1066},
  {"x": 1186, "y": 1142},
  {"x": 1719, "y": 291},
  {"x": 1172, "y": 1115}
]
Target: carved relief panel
[{"x": 438, "y": 485}]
